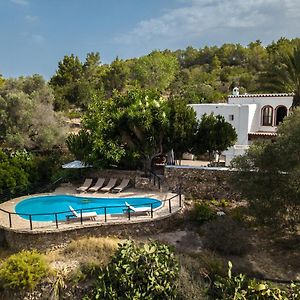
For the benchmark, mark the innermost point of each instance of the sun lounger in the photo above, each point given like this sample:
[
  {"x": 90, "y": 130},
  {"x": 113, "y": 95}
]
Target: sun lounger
[
  {"x": 138, "y": 210},
  {"x": 110, "y": 185},
  {"x": 85, "y": 215},
  {"x": 98, "y": 185},
  {"x": 87, "y": 183},
  {"x": 121, "y": 186}
]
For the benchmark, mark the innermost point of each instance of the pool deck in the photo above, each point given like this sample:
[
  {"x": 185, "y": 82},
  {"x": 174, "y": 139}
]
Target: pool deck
[{"x": 19, "y": 224}]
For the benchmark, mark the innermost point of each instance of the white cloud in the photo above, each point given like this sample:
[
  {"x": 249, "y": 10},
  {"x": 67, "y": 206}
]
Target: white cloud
[
  {"x": 38, "y": 39},
  {"x": 20, "y": 2},
  {"x": 197, "y": 19},
  {"x": 31, "y": 19}
]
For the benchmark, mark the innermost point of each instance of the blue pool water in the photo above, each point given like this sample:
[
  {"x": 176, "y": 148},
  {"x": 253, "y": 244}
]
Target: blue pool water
[{"x": 60, "y": 204}]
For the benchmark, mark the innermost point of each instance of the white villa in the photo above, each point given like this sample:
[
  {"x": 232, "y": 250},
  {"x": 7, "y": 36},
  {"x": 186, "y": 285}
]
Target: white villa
[{"x": 253, "y": 116}]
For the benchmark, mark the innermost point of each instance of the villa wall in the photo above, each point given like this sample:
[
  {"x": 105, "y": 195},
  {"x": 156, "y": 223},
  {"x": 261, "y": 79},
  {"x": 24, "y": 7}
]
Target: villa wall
[{"x": 201, "y": 182}]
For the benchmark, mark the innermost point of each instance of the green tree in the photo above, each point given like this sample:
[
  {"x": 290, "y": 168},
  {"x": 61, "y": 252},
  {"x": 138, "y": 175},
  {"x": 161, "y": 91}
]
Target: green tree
[
  {"x": 183, "y": 125},
  {"x": 27, "y": 116},
  {"x": 156, "y": 70},
  {"x": 66, "y": 80},
  {"x": 214, "y": 135},
  {"x": 117, "y": 76},
  {"x": 136, "y": 122},
  {"x": 268, "y": 176}
]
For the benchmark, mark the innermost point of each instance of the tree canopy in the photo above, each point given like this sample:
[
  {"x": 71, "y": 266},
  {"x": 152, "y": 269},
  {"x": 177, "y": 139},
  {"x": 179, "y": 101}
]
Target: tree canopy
[
  {"x": 201, "y": 75},
  {"x": 268, "y": 176},
  {"x": 27, "y": 118},
  {"x": 214, "y": 135}
]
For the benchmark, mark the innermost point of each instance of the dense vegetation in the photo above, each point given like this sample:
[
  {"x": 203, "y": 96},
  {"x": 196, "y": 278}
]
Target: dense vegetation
[
  {"x": 268, "y": 176},
  {"x": 198, "y": 75}
]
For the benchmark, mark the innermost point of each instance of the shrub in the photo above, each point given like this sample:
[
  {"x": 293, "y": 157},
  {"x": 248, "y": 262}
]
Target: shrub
[
  {"x": 140, "y": 272},
  {"x": 23, "y": 270},
  {"x": 242, "y": 288},
  {"x": 203, "y": 213},
  {"x": 227, "y": 236}
]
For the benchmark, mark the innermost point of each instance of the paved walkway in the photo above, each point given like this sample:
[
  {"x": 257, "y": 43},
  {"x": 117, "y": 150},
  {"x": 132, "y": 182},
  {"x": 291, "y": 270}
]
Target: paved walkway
[{"x": 21, "y": 224}]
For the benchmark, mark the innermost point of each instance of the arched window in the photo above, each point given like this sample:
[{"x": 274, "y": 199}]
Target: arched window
[
  {"x": 267, "y": 116},
  {"x": 281, "y": 112}
]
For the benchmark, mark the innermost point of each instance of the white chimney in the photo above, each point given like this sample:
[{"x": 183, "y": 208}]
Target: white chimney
[{"x": 236, "y": 91}]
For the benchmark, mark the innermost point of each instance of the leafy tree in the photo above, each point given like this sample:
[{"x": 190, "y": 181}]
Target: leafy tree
[
  {"x": 146, "y": 272},
  {"x": 268, "y": 176},
  {"x": 156, "y": 70},
  {"x": 136, "y": 122},
  {"x": 27, "y": 116},
  {"x": 65, "y": 81},
  {"x": 117, "y": 76},
  {"x": 214, "y": 135},
  {"x": 183, "y": 125}
]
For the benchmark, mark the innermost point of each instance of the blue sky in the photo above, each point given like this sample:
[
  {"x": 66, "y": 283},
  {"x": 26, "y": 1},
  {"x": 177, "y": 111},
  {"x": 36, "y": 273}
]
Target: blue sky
[{"x": 36, "y": 34}]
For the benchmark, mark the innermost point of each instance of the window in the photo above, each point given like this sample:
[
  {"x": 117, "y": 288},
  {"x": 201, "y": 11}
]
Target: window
[
  {"x": 281, "y": 113},
  {"x": 231, "y": 117},
  {"x": 267, "y": 116}
]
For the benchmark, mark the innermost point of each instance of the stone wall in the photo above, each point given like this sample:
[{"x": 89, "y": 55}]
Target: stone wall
[
  {"x": 201, "y": 182},
  {"x": 18, "y": 240}
]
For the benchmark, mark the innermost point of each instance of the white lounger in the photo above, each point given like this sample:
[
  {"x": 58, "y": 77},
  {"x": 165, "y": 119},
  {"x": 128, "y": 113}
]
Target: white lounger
[
  {"x": 110, "y": 185},
  {"x": 98, "y": 185},
  {"x": 87, "y": 183},
  {"x": 121, "y": 186},
  {"x": 85, "y": 215},
  {"x": 139, "y": 210}
]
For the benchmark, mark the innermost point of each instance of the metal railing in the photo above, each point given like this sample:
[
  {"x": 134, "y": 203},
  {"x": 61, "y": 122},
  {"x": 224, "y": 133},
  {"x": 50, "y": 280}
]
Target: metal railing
[
  {"x": 155, "y": 179},
  {"x": 80, "y": 213}
]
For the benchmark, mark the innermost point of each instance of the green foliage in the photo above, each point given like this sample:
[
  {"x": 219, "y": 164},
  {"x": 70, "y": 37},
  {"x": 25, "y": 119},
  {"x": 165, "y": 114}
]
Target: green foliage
[
  {"x": 268, "y": 177},
  {"x": 27, "y": 118},
  {"x": 21, "y": 171},
  {"x": 140, "y": 272},
  {"x": 203, "y": 213},
  {"x": 23, "y": 270},
  {"x": 214, "y": 135},
  {"x": 241, "y": 288},
  {"x": 156, "y": 70},
  {"x": 76, "y": 83},
  {"x": 227, "y": 236},
  {"x": 283, "y": 73},
  {"x": 183, "y": 125},
  {"x": 132, "y": 124}
]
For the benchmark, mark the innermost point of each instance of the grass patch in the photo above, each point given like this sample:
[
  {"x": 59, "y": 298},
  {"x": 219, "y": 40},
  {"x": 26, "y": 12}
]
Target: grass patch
[{"x": 92, "y": 249}]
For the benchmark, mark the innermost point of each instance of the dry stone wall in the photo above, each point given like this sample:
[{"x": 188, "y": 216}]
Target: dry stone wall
[
  {"x": 201, "y": 182},
  {"x": 18, "y": 240}
]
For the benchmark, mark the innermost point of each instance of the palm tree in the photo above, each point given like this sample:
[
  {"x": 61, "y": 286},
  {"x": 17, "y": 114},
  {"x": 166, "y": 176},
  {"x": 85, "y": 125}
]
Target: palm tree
[
  {"x": 291, "y": 73},
  {"x": 284, "y": 73}
]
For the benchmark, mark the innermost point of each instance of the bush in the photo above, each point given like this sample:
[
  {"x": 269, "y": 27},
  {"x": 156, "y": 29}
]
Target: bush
[
  {"x": 139, "y": 272},
  {"x": 23, "y": 270},
  {"x": 242, "y": 288},
  {"x": 203, "y": 213},
  {"x": 227, "y": 236}
]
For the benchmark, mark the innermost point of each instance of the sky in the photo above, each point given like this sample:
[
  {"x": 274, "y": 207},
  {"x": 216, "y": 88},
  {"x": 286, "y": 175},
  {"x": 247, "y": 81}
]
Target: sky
[{"x": 36, "y": 34}]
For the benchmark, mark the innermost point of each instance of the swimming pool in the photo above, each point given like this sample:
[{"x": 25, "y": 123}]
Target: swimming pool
[{"x": 60, "y": 204}]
